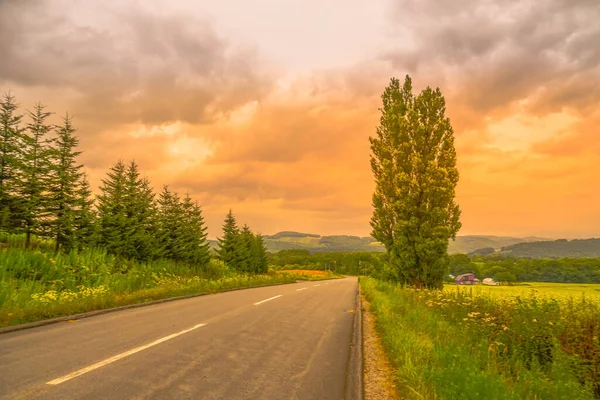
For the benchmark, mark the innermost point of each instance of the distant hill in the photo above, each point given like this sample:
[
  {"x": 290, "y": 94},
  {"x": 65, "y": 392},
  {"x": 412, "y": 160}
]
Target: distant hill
[
  {"x": 470, "y": 243},
  {"x": 555, "y": 249},
  {"x": 314, "y": 243},
  {"x": 532, "y": 247},
  {"x": 291, "y": 234}
]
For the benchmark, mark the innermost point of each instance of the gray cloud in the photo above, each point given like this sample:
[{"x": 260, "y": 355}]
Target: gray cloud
[
  {"x": 503, "y": 51},
  {"x": 137, "y": 66}
]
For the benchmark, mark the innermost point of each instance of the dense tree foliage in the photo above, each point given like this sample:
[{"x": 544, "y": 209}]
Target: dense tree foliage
[
  {"x": 44, "y": 192},
  {"x": 555, "y": 249},
  {"x": 241, "y": 249},
  {"x": 414, "y": 164},
  {"x": 351, "y": 263},
  {"x": 510, "y": 269}
]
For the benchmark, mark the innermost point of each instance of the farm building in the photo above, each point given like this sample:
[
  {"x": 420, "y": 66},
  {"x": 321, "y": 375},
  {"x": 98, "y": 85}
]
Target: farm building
[{"x": 465, "y": 279}]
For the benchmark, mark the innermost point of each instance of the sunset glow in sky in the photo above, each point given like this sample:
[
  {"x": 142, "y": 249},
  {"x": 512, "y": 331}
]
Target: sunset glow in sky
[{"x": 266, "y": 106}]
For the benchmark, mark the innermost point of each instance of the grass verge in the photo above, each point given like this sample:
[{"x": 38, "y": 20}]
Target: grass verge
[
  {"x": 52, "y": 304},
  {"x": 459, "y": 346}
]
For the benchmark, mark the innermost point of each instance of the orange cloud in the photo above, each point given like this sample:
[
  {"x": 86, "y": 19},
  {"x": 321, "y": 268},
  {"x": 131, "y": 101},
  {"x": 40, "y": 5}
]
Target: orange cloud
[{"x": 289, "y": 151}]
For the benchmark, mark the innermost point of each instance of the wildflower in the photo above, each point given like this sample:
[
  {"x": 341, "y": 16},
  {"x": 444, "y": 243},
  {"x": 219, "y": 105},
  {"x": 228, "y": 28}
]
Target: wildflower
[
  {"x": 504, "y": 328},
  {"x": 534, "y": 320},
  {"x": 465, "y": 319}
]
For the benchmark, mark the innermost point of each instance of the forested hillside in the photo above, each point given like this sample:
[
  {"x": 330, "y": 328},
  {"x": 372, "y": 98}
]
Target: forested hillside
[
  {"x": 555, "y": 249},
  {"x": 289, "y": 240}
]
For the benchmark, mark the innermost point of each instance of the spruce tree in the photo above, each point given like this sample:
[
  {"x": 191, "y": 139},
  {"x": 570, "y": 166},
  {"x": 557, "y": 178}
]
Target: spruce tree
[
  {"x": 35, "y": 172},
  {"x": 414, "y": 164},
  {"x": 141, "y": 214},
  {"x": 248, "y": 256},
  {"x": 262, "y": 257},
  {"x": 170, "y": 213},
  {"x": 195, "y": 248},
  {"x": 63, "y": 183},
  {"x": 230, "y": 246},
  {"x": 84, "y": 222},
  {"x": 11, "y": 141},
  {"x": 112, "y": 218}
]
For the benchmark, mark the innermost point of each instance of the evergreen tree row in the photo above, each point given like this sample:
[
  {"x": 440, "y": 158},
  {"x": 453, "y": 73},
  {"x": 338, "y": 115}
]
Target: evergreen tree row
[
  {"x": 45, "y": 193},
  {"x": 241, "y": 249}
]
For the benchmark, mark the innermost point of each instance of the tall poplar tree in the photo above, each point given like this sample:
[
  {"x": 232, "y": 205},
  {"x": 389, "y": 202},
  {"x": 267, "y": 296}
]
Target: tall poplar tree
[{"x": 414, "y": 165}]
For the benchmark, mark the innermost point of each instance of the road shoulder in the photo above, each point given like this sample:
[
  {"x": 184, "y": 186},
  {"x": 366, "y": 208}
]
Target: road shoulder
[{"x": 378, "y": 373}]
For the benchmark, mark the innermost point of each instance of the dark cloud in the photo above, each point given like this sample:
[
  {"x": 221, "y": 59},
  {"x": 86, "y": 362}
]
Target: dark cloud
[
  {"x": 503, "y": 51},
  {"x": 136, "y": 67}
]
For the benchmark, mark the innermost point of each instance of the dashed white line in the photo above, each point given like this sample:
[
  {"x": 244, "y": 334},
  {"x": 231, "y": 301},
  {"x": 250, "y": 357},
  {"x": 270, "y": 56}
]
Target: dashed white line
[
  {"x": 270, "y": 298},
  {"x": 318, "y": 284},
  {"x": 297, "y": 290},
  {"x": 102, "y": 363}
]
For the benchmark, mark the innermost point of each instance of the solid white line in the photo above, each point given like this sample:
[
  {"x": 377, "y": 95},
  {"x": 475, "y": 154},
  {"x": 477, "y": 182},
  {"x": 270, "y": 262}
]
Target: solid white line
[
  {"x": 301, "y": 289},
  {"x": 102, "y": 363},
  {"x": 270, "y": 298}
]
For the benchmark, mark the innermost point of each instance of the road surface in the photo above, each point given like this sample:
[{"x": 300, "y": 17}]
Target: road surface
[{"x": 279, "y": 342}]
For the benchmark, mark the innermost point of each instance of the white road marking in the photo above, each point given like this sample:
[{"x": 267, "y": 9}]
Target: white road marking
[
  {"x": 270, "y": 298},
  {"x": 301, "y": 289},
  {"x": 102, "y": 363},
  {"x": 318, "y": 284}
]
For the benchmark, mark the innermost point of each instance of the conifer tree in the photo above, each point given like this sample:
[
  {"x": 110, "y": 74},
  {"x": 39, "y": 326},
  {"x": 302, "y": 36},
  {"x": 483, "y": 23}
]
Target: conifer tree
[
  {"x": 11, "y": 141},
  {"x": 35, "y": 171},
  {"x": 169, "y": 227},
  {"x": 140, "y": 210},
  {"x": 248, "y": 259},
  {"x": 230, "y": 247},
  {"x": 63, "y": 182},
  {"x": 84, "y": 222},
  {"x": 260, "y": 255},
  {"x": 112, "y": 218},
  {"x": 195, "y": 248},
  {"x": 414, "y": 164}
]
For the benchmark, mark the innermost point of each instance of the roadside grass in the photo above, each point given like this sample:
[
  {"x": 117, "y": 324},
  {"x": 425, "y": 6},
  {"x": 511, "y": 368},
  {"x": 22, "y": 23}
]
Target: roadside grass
[
  {"x": 461, "y": 345},
  {"x": 38, "y": 284}
]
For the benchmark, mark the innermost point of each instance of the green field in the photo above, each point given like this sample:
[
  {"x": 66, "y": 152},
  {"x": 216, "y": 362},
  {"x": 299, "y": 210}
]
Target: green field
[{"x": 541, "y": 289}]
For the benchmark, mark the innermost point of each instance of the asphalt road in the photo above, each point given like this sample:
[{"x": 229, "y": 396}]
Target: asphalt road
[{"x": 279, "y": 342}]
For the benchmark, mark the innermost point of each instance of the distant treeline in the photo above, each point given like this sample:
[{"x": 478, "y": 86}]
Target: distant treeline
[
  {"x": 511, "y": 269},
  {"x": 351, "y": 263},
  {"x": 555, "y": 249},
  {"x": 499, "y": 267}
]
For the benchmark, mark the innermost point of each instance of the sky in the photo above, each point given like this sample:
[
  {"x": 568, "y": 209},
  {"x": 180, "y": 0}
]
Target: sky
[{"x": 266, "y": 107}]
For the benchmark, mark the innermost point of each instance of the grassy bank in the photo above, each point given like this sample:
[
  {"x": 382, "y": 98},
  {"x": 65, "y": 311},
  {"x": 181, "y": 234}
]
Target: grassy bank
[
  {"x": 38, "y": 284},
  {"x": 461, "y": 345}
]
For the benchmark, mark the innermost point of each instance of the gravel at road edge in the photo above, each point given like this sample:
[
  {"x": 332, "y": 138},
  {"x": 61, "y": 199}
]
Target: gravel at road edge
[{"x": 378, "y": 372}]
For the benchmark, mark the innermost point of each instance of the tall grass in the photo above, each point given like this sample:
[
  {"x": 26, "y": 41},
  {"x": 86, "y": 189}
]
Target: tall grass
[
  {"x": 457, "y": 345},
  {"x": 37, "y": 283}
]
